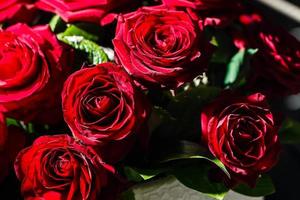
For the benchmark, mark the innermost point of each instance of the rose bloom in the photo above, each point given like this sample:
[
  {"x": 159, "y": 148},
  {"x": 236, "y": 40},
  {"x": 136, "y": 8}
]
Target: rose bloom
[
  {"x": 96, "y": 11},
  {"x": 276, "y": 65},
  {"x": 241, "y": 132},
  {"x": 32, "y": 71},
  {"x": 12, "y": 140},
  {"x": 17, "y": 10},
  {"x": 58, "y": 167},
  {"x": 213, "y": 12},
  {"x": 161, "y": 47},
  {"x": 102, "y": 106}
]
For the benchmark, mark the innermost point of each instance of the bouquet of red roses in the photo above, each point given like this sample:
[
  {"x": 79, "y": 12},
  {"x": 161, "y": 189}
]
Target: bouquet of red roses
[{"x": 98, "y": 96}]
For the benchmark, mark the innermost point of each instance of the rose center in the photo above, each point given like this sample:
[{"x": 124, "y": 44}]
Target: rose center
[
  {"x": 10, "y": 63},
  {"x": 164, "y": 39}
]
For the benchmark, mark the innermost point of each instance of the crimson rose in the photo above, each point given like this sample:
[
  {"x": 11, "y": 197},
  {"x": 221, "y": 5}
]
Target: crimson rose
[
  {"x": 242, "y": 134},
  {"x": 96, "y": 11},
  {"x": 161, "y": 47},
  {"x": 101, "y": 105},
  {"x": 32, "y": 66},
  {"x": 57, "y": 167},
  {"x": 17, "y": 10},
  {"x": 276, "y": 65}
]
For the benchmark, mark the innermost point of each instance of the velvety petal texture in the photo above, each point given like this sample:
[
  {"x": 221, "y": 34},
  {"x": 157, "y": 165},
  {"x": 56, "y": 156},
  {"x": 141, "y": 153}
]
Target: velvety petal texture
[
  {"x": 101, "y": 105},
  {"x": 161, "y": 47},
  {"x": 17, "y": 10},
  {"x": 241, "y": 132},
  {"x": 96, "y": 11},
  {"x": 276, "y": 65},
  {"x": 58, "y": 167},
  {"x": 32, "y": 64}
]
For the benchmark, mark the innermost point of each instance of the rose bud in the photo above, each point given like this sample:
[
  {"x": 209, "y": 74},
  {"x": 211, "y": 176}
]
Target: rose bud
[
  {"x": 17, "y": 11},
  {"x": 161, "y": 47},
  {"x": 58, "y": 167},
  {"x": 99, "y": 11},
  {"x": 103, "y": 108},
  {"x": 12, "y": 140},
  {"x": 212, "y": 12},
  {"x": 32, "y": 71},
  {"x": 241, "y": 132}
]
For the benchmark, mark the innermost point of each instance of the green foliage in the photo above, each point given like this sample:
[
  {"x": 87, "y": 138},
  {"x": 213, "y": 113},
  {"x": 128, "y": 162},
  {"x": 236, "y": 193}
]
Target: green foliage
[
  {"x": 189, "y": 150},
  {"x": 264, "y": 186},
  {"x": 127, "y": 195},
  {"x": 73, "y": 30},
  {"x": 27, "y": 127},
  {"x": 57, "y": 24},
  {"x": 290, "y": 131},
  {"x": 138, "y": 175},
  {"x": 196, "y": 177},
  {"x": 83, "y": 41},
  {"x": 95, "y": 53},
  {"x": 234, "y": 68}
]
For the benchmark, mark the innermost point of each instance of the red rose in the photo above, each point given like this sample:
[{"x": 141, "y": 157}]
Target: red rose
[
  {"x": 57, "y": 167},
  {"x": 32, "y": 71},
  {"x": 161, "y": 47},
  {"x": 101, "y": 106},
  {"x": 12, "y": 140},
  {"x": 242, "y": 134},
  {"x": 17, "y": 10},
  {"x": 276, "y": 65},
  {"x": 212, "y": 12},
  {"x": 96, "y": 11}
]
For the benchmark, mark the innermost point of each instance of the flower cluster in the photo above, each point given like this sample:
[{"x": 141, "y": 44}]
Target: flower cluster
[{"x": 84, "y": 117}]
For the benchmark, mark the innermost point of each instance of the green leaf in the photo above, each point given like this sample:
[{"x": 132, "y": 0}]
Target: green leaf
[
  {"x": 264, "y": 186},
  {"x": 235, "y": 73},
  {"x": 224, "y": 47},
  {"x": 233, "y": 68},
  {"x": 12, "y": 122},
  {"x": 289, "y": 132},
  {"x": 138, "y": 175},
  {"x": 57, "y": 24},
  {"x": 127, "y": 195},
  {"x": 73, "y": 30},
  {"x": 196, "y": 177},
  {"x": 94, "y": 52},
  {"x": 132, "y": 175},
  {"x": 190, "y": 150},
  {"x": 28, "y": 127}
]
